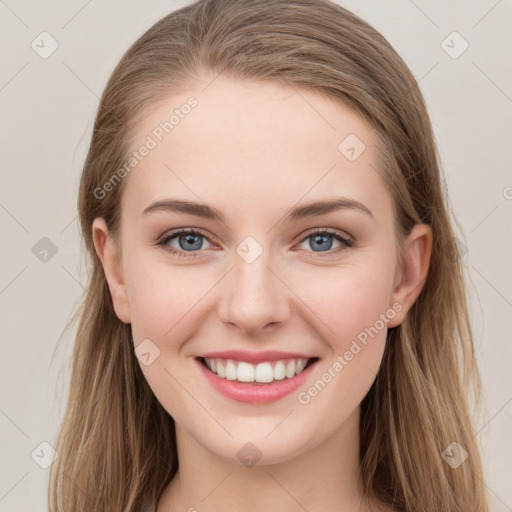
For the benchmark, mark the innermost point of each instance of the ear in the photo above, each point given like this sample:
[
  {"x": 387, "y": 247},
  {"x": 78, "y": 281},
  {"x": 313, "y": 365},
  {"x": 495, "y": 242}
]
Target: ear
[
  {"x": 109, "y": 254},
  {"x": 410, "y": 278}
]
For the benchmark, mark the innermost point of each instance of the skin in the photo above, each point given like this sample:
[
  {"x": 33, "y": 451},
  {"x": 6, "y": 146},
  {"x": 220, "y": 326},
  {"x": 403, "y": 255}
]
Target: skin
[{"x": 255, "y": 150}]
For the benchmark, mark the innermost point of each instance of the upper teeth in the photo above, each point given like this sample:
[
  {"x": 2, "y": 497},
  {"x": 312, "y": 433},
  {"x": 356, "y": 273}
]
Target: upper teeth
[{"x": 262, "y": 372}]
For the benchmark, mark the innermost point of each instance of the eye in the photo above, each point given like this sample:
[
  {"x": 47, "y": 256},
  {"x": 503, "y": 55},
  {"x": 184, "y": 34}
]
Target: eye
[
  {"x": 190, "y": 241},
  {"x": 187, "y": 240},
  {"x": 322, "y": 240}
]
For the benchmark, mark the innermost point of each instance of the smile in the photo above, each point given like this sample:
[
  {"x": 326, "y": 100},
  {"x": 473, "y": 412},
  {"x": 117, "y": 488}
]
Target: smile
[
  {"x": 263, "y": 373},
  {"x": 256, "y": 383}
]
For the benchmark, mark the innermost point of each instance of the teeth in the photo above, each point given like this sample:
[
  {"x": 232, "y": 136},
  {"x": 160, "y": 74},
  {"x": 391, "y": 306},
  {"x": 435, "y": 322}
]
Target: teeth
[
  {"x": 279, "y": 371},
  {"x": 221, "y": 372},
  {"x": 245, "y": 372},
  {"x": 266, "y": 372},
  {"x": 290, "y": 369},
  {"x": 231, "y": 370},
  {"x": 301, "y": 363}
]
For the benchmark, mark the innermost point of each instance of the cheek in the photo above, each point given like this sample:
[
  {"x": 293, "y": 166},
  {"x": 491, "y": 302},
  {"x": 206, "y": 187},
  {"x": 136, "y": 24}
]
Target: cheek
[
  {"x": 355, "y": 354},
  {"x": 348, "y": 300},
  {"x": 163, "y": 298},
  {"x": 342, "y": 305},
  {"x": 354, "y": 308},
  {"x": 358, "y": 306}
]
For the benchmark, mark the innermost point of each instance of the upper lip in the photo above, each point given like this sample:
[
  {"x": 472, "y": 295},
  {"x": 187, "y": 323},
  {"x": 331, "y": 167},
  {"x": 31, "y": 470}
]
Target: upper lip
[{"x": 255, "y": 357}]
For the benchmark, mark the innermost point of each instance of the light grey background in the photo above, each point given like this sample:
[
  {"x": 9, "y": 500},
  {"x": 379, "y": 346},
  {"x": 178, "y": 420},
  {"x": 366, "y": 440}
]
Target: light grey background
[{"x": 48, "y": 106}]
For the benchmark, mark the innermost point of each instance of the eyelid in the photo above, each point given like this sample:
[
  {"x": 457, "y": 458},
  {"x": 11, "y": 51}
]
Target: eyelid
[
  {"x": 174, "y": 232},
  {"x": 308, "y": 233},
  {"x": 329, "y": 231},
  {"x": 345, "y": 239},
  {"x": 164, "y": 239}
]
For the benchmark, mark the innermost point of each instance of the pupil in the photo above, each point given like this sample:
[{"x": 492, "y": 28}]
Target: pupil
[
  {"x": 320, "y": 240},
  {"x": 190, "y": 240}
]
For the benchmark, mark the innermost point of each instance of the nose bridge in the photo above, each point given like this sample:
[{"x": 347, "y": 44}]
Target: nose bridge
[{"x": 254, "y": 297}]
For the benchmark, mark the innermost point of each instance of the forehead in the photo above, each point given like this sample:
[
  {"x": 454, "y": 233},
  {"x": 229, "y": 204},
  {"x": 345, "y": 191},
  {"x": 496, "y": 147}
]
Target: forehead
[{"x": 246, "y": 145}]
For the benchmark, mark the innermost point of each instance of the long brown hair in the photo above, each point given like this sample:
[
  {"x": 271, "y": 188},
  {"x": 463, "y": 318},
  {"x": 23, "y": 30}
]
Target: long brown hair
[{"x": 117, "y": 445}]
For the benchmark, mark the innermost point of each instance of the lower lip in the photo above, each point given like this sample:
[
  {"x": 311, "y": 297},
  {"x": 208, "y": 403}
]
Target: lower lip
[{"x": 255, "y": 393}]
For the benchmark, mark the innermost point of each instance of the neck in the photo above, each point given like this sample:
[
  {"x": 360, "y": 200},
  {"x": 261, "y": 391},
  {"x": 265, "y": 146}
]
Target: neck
[{"x": 324, "y": 478}]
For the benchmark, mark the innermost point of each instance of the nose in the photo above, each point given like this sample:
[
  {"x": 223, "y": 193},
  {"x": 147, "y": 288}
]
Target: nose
[{"x": 255, "y": 299}]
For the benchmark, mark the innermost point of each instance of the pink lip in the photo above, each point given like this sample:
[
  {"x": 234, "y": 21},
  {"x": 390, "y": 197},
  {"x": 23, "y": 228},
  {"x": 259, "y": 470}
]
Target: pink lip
[
  {"x": 255, "y": 393},
  {"x": 254, "y": 357}
]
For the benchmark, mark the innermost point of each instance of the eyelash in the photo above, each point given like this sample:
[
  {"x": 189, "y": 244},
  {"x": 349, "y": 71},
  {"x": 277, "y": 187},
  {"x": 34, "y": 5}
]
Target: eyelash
[{"x": 163, "y": 241}]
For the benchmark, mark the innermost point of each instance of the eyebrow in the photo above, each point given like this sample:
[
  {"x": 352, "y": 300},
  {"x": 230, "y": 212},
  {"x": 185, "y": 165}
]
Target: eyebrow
[{"x": 314, "y": 209}]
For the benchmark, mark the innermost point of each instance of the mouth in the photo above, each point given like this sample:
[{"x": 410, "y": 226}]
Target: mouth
[{"x": 262, "y": 374}]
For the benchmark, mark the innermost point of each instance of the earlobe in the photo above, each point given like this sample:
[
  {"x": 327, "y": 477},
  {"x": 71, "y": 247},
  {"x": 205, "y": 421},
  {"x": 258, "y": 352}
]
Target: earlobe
[
  {"x": 413, "y": 274},
  {"x": 109, "y": 255}
]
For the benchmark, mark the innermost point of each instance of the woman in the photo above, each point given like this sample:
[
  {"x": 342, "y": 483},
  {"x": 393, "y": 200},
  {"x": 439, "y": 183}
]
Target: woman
[{"x": 276, "y": 306}]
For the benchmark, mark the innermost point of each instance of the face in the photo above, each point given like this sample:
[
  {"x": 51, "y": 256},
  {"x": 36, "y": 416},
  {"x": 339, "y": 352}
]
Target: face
[{"x": 259, "y": 269}]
